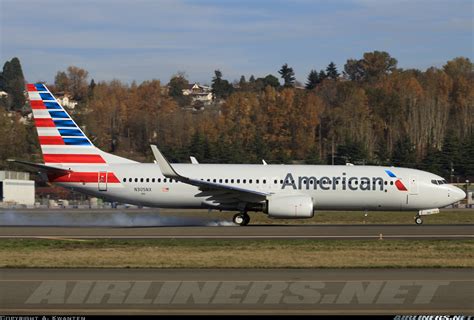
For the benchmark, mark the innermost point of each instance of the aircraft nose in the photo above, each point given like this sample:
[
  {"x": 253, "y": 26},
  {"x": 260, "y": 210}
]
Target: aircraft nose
[{"x": 458, "y": 194}]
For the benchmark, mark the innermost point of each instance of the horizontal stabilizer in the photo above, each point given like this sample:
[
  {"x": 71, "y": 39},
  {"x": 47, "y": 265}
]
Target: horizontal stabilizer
[{"x": 41, "y": 167}]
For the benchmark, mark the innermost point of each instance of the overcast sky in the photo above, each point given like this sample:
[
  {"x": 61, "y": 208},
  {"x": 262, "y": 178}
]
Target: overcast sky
[{"x": 148, "y": 39}]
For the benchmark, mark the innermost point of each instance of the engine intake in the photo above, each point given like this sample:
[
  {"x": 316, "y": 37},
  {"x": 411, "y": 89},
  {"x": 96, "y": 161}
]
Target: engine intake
[{"x": 290, "y": 207}]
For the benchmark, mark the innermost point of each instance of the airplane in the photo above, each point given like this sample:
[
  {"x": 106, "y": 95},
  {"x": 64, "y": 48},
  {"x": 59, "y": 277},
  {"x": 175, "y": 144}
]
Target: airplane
[{"x": 280, "y": 191}]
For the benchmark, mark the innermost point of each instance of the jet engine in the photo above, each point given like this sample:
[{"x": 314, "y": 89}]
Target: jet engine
[{"x": 290, "y": 206}]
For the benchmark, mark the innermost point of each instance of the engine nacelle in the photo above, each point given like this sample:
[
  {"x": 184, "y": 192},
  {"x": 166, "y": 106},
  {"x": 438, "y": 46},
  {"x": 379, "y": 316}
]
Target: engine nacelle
[{"x": 290, "y": 207}]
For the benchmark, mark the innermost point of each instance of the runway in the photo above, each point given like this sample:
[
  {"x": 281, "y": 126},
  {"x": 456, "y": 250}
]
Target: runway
[
  {"x": 241, "y": 291},
  {"x": 323, "y": 232}
]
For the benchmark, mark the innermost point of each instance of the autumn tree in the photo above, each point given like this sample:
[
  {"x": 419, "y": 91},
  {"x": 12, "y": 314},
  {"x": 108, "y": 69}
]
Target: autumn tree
[{"x": 61, "y": 82}]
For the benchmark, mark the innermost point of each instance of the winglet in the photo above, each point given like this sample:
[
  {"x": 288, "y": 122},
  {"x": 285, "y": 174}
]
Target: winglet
[
  {"x": 194, "y": 160},
  {"x": 165, "y": 167}
]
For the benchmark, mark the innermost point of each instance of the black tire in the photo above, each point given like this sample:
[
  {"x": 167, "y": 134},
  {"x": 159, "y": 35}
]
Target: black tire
[
  {"x": 418, "y": 220},
  {"x": 239, "y": 219}
]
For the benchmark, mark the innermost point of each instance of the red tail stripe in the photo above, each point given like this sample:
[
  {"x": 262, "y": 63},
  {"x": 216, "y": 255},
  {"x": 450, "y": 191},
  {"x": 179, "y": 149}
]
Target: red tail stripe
[
  {"x": 83, "y": 177},
  {"x": 44, "y": 122},
  {"x": 30, "y": 87},
  {"x": 37, "y": 104},
  {"x": 73, "y": 158},
  {"x": 51, "y": 140}
]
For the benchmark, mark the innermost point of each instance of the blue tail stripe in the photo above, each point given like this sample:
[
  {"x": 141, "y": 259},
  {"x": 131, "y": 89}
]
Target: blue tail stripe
[
  {"x": 70, "y": 132},
  {"x": 58, "y": 114},
  {"x": 76, "y": 141},
  {"x": 46, "y": 96},
  {"x": 52, "y": 105},
  {"x": 64, "y": 123},
  {"x": 40, "y": 87}
]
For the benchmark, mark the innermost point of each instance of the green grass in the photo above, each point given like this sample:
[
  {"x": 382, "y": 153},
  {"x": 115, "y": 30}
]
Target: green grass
[{"x": 205, "y": 253}]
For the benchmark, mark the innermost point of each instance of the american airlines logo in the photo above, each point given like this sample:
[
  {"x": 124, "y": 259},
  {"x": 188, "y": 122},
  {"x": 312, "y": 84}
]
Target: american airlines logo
[{"x": 333, "y": 183}]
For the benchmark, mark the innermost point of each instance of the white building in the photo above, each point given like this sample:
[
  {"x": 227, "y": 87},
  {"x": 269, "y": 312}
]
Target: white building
[
  {"x": 16, "y": 188},
  {"x": 199, "y": 93},
  {"x": 66, "y": 101}
]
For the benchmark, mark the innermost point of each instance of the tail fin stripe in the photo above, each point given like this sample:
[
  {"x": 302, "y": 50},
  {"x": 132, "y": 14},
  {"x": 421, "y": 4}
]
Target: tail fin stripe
[
  {"x": 44, "y": 122},
  {"x": 52, "y": 105},
  {"x": 70, "y": 133},
  {"x": 37, "y": 104},
  {"x": 51, "y": 140},
  {"x": 77, "y": 141},
  {"x": 46, "y": 96},
  {"x": 64, "y": 123},
  {"x": 59, "y": 114},
  {"x": 39, "y": 87},
  {"x": 31, "y": 87},
  {"x": 73, "y": 158}
]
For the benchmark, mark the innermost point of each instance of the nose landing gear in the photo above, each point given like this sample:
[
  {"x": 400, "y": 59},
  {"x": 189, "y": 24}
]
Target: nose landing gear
[
  {"x": 242, "y": 219},
  {"x": 418, "y": 220}
]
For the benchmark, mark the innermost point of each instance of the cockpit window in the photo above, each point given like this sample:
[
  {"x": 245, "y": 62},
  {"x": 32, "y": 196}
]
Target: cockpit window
[
  {"x": 434, "y": 181},
  {"x": 438, "y": 182}
]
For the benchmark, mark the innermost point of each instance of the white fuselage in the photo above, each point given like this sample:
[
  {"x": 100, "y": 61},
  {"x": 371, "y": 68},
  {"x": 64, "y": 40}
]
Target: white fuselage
[{"x": 330, "y": 187}]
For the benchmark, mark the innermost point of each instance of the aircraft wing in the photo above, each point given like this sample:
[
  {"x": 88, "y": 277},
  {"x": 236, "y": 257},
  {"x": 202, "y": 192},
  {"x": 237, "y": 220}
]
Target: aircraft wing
[{"x": 216, "y": 193}]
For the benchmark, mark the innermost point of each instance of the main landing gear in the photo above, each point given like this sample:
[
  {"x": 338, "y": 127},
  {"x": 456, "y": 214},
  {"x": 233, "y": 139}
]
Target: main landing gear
[
  {"x": 242, "y": 219},
  {"x": 418, "y": 220}
]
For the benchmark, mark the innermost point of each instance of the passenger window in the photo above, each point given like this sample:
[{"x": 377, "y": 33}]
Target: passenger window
[
  {"x": 275, "y": 181},
  {"x": 250, "y": 180},
  {"x": 220, "y": 180},
  {"x": 129, "y": 179},
  {"x": 164, "y": 180},
  {"x": 231, "y": 180},
  {"x": 136, "y": 179},
  {"x": 124, "y": 180},
  {"x": 214, "y": 180},
  {"x": 264, "y": 181},
  {"x": 141, "y": 179},
  {"x": 281, "y": 181},
  {"x": 226, "y": 180},
  {"x": 147, "y": 179},
  {"x": 238, "y": 180},
  {"x": 153, "y": 180},
  {"x": 244, "y": 181},
  {"x": 256, "y": 181}
]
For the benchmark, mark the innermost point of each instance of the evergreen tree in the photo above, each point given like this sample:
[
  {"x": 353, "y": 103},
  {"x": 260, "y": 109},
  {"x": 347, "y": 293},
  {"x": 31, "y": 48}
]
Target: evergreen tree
[
  {"x": 220, "y": 88},
  {"x": 322, "y": 75},
  {"x": 14, "y": 83},
  {"x": 331, "y": 71},
  {"x": 288, "y": 75},
  {"x": 313, "y": 80},
  {"x": 404, "y": 153}
]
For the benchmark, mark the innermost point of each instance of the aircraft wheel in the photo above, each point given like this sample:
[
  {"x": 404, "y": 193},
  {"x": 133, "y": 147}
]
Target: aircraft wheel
[
  {"x": 418, "y": 220},
  {"x": 239, "y": 219}
]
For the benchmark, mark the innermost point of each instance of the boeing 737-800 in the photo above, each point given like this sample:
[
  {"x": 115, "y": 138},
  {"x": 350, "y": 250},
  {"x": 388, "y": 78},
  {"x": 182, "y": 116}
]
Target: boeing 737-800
[{"x": 281, "y": 191}]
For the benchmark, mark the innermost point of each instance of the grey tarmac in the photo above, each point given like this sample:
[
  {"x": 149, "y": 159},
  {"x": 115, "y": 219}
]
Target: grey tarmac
[
  {"x": 332, "y": 232},
  {"x": 241, "y": 291}
]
